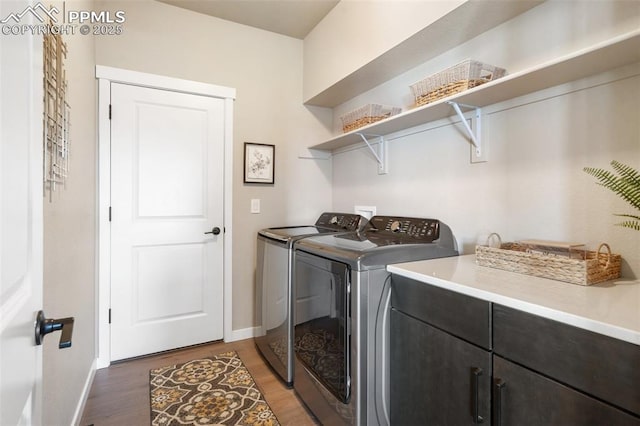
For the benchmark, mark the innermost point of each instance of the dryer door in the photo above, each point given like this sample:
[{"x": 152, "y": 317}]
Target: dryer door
[{"x": 322, "y": 321}]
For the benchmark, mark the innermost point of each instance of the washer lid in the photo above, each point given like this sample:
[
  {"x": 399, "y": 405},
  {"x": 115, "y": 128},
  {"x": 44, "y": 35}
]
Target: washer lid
[
  {"x": 287, "y": 233},
  {"x": 327, "y": 223},
  {"x": 386, "y": 240}
]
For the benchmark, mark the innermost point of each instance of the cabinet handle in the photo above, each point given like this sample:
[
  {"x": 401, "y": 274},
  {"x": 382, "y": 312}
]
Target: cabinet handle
[
  {"x": 475, "y": 389},
  {"x": 497, "y": 415}
]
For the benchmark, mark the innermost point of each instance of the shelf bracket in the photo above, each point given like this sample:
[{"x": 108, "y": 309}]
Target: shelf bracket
[
  {"x": 381, "y": 154},
  {"x": 476, "y": 137}
]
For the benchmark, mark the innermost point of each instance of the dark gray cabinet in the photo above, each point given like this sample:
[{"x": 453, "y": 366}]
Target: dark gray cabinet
[
  {"x": 523, "y": 397},
  {"x": 458, "y": 360},
  {"x": 547, "y": 372},
  {"x": 436, "y": 376}
]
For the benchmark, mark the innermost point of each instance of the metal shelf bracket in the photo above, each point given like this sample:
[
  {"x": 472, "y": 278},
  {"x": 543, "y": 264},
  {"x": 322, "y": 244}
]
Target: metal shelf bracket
[
  {"x": 381, "y": 154},
  {"x": 476, "y": 137}
]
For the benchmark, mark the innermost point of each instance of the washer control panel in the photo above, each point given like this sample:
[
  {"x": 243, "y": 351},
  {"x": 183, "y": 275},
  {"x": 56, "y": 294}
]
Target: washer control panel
[
  {"x": 411, "y": 228},
  {"x": 341, "y": 221}
]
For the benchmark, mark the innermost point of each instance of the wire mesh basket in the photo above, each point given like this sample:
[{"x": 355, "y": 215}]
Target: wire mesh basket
[{"x": 455, "y": 79}]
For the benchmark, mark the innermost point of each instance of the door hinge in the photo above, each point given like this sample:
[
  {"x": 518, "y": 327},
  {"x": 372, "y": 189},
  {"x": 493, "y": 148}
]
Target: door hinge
[
  {"x": 109, "y": 111},
  {"x": 109, "y": 315},
  {"x": 109, "y": 213}
]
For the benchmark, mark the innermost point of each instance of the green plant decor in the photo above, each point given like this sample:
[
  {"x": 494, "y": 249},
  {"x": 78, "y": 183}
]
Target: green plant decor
[{"x": 625, "y": 182}]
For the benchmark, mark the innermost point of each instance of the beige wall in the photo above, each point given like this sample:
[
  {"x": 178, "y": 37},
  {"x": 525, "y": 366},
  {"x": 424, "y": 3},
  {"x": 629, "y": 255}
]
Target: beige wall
[
  {"x": 266, "y": 70},
  {"x": 356, "y": 32},
  {"x": 69, "y": 241},
  {"x": 533, "y": 185},
  {"x": 544, "y": 33}
]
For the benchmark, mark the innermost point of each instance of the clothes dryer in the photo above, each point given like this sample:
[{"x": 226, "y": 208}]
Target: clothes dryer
[
  {"x": 273, "y": 285},
  {"x": 341, "y": 307}
]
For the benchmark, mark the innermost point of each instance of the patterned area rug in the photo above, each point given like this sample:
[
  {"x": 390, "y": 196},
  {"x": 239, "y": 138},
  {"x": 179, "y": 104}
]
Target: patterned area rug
[{"x": 210, "y": 391}]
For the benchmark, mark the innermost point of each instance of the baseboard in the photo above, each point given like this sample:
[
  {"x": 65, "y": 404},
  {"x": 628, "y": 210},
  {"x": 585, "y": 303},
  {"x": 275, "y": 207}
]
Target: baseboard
[
  {"x": 77, "y": 416},
  {"x": 244, "y": 333},
  {"x": 102, "y": 363}
]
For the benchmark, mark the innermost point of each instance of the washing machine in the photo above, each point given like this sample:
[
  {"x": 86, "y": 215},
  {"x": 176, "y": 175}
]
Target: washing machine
[
  {"x": 341, "y": 314},
  {"x": 273, "y": 336}
]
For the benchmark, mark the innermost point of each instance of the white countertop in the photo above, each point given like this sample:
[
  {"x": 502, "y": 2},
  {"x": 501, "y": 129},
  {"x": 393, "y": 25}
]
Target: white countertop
[{"x": 611, "y": 308}]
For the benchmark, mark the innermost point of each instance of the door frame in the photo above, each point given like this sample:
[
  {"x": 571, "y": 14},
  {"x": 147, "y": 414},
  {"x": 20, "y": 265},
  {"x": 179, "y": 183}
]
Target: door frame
[{"x": 105, "y": 76}]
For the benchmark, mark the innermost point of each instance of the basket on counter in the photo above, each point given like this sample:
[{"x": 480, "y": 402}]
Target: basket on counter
[
  {"x": 367, "y": 114},
  {"x": 460, "y": 77},
  {"x": 582, "y": 267}
]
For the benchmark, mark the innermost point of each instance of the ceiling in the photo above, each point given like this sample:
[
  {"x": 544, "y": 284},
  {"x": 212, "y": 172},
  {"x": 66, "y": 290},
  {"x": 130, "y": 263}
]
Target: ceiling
[{"x": 294, "y": 18}]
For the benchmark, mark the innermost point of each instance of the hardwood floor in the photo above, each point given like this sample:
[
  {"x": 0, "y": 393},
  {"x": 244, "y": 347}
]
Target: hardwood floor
[{"x": 120, "y": 394}]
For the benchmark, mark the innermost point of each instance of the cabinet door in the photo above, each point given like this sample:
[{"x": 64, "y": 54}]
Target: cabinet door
[
  {"x": 436, "y": 378},
  {"x": 594, "y": 364},
  {"x": 522, "y": 397}
]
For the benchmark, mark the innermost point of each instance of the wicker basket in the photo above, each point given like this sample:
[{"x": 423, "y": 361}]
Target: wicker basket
[
  {"x": 593, "y": 267},
  {"x": 458, "y": 78},
  {"x": 367, "y": 114}
]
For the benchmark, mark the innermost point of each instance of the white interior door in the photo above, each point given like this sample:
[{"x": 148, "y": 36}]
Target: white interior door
[
  {"x": 21, "y": 233},
  {"x": 167, "y": 163}
]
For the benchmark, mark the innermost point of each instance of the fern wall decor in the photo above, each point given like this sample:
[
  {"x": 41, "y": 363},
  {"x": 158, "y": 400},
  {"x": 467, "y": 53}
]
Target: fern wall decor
[{"x": 625, "y": 182}]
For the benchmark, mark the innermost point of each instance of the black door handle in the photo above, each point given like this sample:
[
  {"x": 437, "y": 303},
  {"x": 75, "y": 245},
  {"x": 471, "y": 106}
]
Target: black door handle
[
  {"x": 499, "y": 385},
  {"x": 45, "y": 326},
  {"x": 475, "y": 395},
  {"x": 214, "y": 231}
]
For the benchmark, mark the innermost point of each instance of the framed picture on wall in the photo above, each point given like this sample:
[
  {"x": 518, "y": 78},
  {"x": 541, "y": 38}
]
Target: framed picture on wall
[{"x": 259, "y": 161}]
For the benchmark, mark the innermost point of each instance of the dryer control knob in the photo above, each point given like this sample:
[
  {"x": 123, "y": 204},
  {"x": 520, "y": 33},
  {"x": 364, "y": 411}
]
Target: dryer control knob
[
  {"x": 334, "y": 220},
  {"x": 395, "y": 226}
]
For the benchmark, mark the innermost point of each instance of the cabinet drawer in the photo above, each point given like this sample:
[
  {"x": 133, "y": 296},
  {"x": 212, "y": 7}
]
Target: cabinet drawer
[
  {"x": 601, "y": 366},
  {"x": 455, "y": 313}
]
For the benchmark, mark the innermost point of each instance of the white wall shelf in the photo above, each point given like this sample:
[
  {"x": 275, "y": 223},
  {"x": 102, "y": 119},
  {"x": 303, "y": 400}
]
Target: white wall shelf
[
  {"x": 461, "y": 24},
  {"x": 614, "y": 53}
]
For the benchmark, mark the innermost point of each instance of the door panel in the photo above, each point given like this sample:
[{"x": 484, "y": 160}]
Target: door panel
[
  {"x": 178, "y": 294},
  {"x": 21, "y": 232},
  {"x": 432, "y": 376},
  {"x": 167, "y": 191},
  {"x": 528, "y": 398},
  {"x": 172, "y": 162}
]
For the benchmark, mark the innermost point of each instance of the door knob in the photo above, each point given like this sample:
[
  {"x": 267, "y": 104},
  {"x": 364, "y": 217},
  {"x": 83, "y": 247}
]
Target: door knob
[
  {"x": 45, "y": 326},
  {"x": 214, "y": 231}
]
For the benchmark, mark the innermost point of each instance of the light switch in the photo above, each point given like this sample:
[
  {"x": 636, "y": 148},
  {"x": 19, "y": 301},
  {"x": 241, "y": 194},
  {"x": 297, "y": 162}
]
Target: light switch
[{"x": 255, "y": 205}]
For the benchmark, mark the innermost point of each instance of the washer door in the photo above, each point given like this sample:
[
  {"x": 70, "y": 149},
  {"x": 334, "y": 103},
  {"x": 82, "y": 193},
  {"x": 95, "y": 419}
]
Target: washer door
[{"x": 322, "y": 321}]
